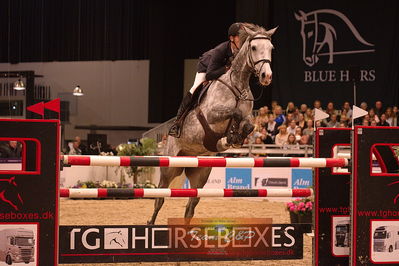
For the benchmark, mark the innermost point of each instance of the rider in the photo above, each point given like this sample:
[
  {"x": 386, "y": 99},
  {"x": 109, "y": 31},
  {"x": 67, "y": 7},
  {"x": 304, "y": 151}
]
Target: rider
[{"x": 212, "y": 64}]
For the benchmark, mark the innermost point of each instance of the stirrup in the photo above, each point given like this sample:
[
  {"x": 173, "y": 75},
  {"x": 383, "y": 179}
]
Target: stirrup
[{"x": 175, "y": 131}]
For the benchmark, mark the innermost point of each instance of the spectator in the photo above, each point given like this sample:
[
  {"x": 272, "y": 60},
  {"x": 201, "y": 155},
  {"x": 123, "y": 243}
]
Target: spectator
[
  {"x": 266, "y": 138},
  {"x": 291, "y": 127},
  {"x": 365, "y": 122},
  {"x": 74, "y": 148},
  {"x": 258, "y": 140},
  {"x": 82, "y": 147},
  {"x": 291, "y": 140},
  {"x": 348, "y": 109},
  {"x": 344, "y": 119},
  {"x": 395, "y": 116},
  {"x": 309, "y": 130},
  {"x": 319, "y": 123},
  {"x": 298, "y": 133},
  {"x": 262, "y": 117},
  {"x": 289, "y": 118},
  {"x": 373, "y": 115},
  {"x": 379, "y": 110},
  {"x": 271, "y": 126},
  {"x": 330, "y": 109},
  {"x": 280, "y": 118},
  {"x": 303, "y": 108},
  {"x": 316, "y": 105},
  {"x": 301, "y": 121},
  {"x": 373, "y": 123},
  {"x": 383, "y": 121},
  {"x": 308, "y": 114},
  {"x": 274, "y": 104},
  {"x": 304, "y": 140},
  {"x": 343, "y": 124},
  {"x": 390, "y": 116},
  {"x": 333, "y": 121},
  {"x": 290, "y": 108},
  {"x": 282, "y": 135},
  {"x": 364, "y": 106},
  {"x": 12, "y": 149}
]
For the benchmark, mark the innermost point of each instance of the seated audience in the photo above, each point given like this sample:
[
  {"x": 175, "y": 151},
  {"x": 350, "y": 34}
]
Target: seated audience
[
  {"x": 333, "y": 121},
  {"x": 383, "y": 121},
  {"x": 11, "y": 149},
  {"x": 291, "y": 127},
  {"x": 280, "y": 118},
  {"x": 301, "y": 121},
  {"x": 282, "y": 135}
]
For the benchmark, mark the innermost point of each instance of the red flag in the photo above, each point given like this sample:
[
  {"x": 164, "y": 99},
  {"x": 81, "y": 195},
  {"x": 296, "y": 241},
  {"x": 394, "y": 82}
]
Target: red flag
[
  {"x": 37, "y": 108},
  {"x": 53, "y": 105}
]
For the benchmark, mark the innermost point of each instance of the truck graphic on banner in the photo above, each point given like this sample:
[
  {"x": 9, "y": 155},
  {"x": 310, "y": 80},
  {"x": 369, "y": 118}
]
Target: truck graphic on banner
[
  {"x": 17, "y": 245},
  {"x": 386, "y": 238}
]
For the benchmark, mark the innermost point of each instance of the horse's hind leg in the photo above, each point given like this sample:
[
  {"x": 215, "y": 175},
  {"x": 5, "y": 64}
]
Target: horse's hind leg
[
  {"x": 167, "y": 175},
  {"x": 197, "y": 178}
]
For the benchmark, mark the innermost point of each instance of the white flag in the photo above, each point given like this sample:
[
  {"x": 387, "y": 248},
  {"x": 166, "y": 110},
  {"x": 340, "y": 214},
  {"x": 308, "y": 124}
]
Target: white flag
[
  {"x": 319, "y": 115},
  {"x": 358, "y": 112}
]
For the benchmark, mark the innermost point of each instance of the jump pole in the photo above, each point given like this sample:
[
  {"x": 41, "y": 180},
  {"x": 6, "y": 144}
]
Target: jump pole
[
  {"x": 178, "y": 161},
  {"x": 176, "y": 193}
]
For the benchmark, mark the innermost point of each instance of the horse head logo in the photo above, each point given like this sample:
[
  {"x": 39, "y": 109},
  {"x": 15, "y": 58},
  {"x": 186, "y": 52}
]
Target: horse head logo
[
  {"x": 317, "y": 33},
  {"x": 9, "y": 193}
]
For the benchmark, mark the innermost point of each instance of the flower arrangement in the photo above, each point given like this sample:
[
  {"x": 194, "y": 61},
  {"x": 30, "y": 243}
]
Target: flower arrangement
[
  {"x": 97, "y": 184},
  {"x": 300, "y": 206}
]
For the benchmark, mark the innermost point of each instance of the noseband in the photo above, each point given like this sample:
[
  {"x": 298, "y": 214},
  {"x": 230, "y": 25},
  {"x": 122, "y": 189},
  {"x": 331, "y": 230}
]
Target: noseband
[{"x": 251, "y": 60}]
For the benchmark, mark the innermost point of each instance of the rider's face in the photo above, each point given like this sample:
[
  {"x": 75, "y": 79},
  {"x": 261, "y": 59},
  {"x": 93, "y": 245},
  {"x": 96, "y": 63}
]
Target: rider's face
[{"x": 236, "y": 41}]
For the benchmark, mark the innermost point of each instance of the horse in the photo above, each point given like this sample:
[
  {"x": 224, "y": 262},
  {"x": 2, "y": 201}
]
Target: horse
[{"x": 223, "y": 116}]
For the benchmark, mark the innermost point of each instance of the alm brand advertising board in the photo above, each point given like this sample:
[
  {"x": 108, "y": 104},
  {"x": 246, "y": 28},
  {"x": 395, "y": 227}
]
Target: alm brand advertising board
[
  {"x": 258, "y": 178},
  {"x": 324, "y": 44}
]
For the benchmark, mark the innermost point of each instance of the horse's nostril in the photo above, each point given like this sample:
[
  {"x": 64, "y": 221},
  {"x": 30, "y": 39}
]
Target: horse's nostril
[{"x": 263, "y": 75}]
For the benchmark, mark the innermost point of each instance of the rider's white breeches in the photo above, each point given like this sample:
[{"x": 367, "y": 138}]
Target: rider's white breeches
[{"x": 199, "y": 78}]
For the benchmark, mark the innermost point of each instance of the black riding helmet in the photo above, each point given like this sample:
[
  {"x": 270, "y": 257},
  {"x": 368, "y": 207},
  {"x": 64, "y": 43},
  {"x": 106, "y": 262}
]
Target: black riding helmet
[{"x": 234, "y": 29}]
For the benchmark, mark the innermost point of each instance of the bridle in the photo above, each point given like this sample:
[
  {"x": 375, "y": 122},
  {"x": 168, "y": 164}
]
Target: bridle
[
  {"x": 243, "y": 95},
  {"x": 251, "y": 60}
]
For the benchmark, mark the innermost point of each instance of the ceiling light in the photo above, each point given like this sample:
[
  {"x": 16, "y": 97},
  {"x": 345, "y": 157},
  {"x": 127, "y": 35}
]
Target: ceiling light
[
  {"x": 78, "y": 91},
  {"x": 19, "y": 85}
]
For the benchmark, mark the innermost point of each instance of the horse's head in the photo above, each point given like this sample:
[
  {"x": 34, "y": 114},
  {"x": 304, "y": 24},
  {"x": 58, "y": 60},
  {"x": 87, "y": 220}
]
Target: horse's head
[
  {"x": 259, "y": 52},
  {"x": 309, "y": 37}
]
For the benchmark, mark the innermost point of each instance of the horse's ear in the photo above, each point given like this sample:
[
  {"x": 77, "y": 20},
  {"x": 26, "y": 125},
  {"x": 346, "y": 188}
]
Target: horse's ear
[
  {"x": 271, "y": 32},
  {"x": 301, "y": 15},
  {"x": 248, "y": 31}
]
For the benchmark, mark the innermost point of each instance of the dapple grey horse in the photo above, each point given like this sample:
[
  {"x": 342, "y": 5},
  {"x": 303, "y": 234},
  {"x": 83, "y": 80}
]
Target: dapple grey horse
[{"x": 228, "y": 99}]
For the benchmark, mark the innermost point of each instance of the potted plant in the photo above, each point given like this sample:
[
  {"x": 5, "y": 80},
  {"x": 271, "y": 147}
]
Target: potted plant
[
  {"x": 146, "y": 147},
  {"x": 301, "y": 210}
]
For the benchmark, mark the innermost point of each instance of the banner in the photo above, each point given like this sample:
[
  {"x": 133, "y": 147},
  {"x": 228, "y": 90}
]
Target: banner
[{"x": 323, "y": 46}]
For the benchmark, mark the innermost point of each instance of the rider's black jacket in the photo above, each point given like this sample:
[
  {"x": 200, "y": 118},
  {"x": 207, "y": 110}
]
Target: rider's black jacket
[{"x": 214, "y": 62}]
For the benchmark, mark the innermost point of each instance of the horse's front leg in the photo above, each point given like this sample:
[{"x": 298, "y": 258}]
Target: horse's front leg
[
  {"x": 246, "y": 127},
  {"x": 222, "y": 113}
]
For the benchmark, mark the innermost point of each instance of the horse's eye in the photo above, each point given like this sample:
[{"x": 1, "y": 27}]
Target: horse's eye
[{"x": 253, "y": 48}]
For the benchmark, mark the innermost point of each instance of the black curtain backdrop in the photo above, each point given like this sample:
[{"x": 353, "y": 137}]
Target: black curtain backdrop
[
  {"x": 167, "y": 32},
  {"x": 179, "y": 30},
  {"x": 73, "y": 30}
]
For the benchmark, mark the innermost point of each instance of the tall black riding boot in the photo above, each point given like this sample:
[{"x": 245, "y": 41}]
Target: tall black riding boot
[{"x": 175, "y": 129}]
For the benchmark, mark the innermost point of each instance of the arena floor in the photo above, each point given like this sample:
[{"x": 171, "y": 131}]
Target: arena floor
[{"x": 120, "y": 212}]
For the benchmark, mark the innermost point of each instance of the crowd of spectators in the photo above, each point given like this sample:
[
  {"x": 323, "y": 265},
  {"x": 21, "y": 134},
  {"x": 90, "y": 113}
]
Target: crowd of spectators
[{"x": 294, "y": 125}]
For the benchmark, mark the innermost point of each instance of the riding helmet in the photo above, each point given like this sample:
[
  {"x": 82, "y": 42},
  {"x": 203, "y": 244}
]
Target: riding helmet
[{"x": 233, "y": 29}]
